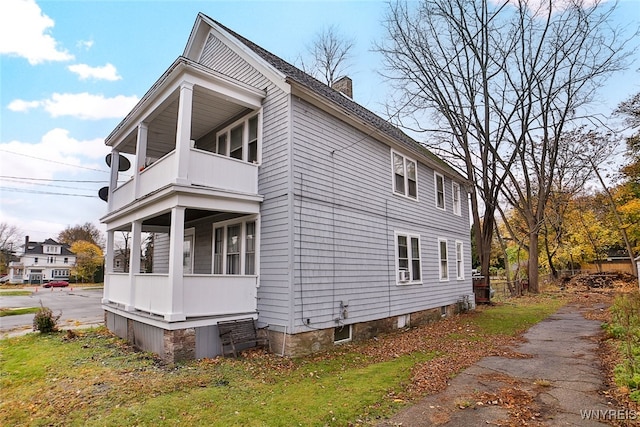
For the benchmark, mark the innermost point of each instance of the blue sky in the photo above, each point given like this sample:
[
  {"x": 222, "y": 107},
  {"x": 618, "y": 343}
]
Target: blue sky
[{"x": 70, "y": 70}]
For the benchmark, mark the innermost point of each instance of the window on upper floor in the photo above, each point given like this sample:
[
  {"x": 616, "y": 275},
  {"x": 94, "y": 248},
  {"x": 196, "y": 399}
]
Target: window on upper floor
[
  {"x": 405, "y": 175},
  {"x": 444, "y": 259},
  {"x": 439, "y": 184},
  {"x": 408, "y": 258},
  {"x": 457, "y": 204},
  {"x": 240, "y": 140},
  {"x": 35, "y": 260}
]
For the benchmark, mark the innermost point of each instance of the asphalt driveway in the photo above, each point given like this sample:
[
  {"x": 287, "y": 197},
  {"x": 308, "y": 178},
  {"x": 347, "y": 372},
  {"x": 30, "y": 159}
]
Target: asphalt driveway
[{"x": 79, "y": 307}]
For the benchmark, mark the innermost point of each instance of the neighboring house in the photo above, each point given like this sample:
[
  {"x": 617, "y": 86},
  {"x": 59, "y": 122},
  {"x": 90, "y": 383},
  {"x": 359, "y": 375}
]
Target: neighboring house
[
  {"x": 42, "y": 262},
  {"x": 120, "y": 261},
  {"x": 272, "y": 196},
  {"x": 616, "y": 260}
]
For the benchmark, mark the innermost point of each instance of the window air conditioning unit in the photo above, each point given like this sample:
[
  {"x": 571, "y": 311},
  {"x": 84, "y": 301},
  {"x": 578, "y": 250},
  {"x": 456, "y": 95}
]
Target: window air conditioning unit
[{"x": 403, "y": 276}]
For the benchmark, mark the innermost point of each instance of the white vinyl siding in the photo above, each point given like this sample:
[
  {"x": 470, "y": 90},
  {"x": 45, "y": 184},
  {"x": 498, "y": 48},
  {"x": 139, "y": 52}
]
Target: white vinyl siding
[
  {"x": 444, "y": 259},
  {"x": 274, "y": 134},
  {"x": 440, "y": 195}
]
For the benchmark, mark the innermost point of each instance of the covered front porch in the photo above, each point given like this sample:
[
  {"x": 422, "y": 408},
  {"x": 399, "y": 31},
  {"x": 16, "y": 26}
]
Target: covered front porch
[{"x": 185, "y": 263}]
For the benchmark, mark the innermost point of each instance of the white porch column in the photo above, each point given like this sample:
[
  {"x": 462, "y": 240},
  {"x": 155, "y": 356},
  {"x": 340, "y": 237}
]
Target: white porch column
[
  {"x": 113, "y": 177},
  {"x": 134, "y": 262},
  {"x": 183, "y": 132},
  {"x": 141, "y": 156},
  {"x": 176, "y": 267},
  {"x": 108, "y": 266}
]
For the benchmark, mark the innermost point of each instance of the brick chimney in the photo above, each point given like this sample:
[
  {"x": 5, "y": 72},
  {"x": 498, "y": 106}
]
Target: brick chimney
[{"x": 344, "y": 85}]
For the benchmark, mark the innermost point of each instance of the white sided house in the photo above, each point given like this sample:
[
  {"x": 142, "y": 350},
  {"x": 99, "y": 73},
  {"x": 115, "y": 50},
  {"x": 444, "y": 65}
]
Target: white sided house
[
  {"x": 269, "y": 195},
  {"x": 42, "y": 262}
]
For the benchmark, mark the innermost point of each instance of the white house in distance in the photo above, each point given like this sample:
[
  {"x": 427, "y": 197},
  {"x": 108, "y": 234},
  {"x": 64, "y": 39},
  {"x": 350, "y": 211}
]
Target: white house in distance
[
  {"x": 42, "y": 262},
  {"x": 275, "y": 197}
]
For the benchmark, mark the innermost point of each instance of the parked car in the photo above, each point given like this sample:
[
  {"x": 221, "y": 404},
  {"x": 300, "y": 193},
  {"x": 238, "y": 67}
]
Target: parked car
[{"x": 56, "y": 284}]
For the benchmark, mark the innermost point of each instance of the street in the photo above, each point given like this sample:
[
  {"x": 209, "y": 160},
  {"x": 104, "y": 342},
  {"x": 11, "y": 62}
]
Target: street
[{"x": 79, "y": 306}]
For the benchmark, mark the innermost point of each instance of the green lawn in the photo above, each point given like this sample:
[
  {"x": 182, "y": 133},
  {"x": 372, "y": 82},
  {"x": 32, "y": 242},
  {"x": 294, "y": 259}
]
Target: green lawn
[
  {"x": 95, "y": 379},
  {"x": 15, "y": 293},
  {"x": 16, "y": 311}
]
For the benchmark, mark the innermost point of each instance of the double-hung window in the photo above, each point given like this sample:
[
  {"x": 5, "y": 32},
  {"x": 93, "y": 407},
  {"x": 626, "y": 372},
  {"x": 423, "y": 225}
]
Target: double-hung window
[
  {"x": 459, "y": 261},
  {"x": 444, "y": 259},
  {"x": 405, "y": 176},
  {"x": 408, "y": 258},
  {"x": 240, "y": 140},
  {"x": 439, "y": 180},
  {"x": 234, "y": 248},
  {"x": 457, "y": 204}
]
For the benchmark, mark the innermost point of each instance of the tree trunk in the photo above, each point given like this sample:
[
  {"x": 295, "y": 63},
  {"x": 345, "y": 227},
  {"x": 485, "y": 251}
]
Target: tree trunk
[{"x": 533, "y": 263}]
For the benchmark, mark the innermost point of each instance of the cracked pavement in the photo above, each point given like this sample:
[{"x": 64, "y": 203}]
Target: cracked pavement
[{"x": 558, "y": 383}]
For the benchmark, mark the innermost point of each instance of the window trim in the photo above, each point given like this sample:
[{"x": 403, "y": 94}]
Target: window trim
[
  {"x": 446, "y": 259},
  {"x": 460, "y": 260},
  {"x": 457, "y": 206},
  {"x": 405, "y": 192},
  {"x": 410, "y": 258},
  {"x": 242, "y": 222},
  {"x": 190, "y": 233},
  {"x": 437, "y": 175},
  {"x": 244, "y": 122}
]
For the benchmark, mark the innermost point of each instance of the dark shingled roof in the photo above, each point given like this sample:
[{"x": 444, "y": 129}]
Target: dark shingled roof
[
  {"x": 35, "y": 248},
  {"x": 339, "y": 99}
]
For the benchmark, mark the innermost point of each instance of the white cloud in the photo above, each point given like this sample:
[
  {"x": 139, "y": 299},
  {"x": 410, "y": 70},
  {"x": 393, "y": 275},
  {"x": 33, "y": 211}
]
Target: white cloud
[
  {"x": 27, "y": 204},
  {"x": 106, "y": 72},
  {"x": 23, "y": 106},
  {"x": 24, "y": 32},
  {"x": 83, "y": 106},
  {"x": 84, "y": 44}
]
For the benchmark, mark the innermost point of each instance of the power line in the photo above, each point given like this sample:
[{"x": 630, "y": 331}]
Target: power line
[
  {"x": 22, "y": 190},
  {"x": 53, "y": 161},
  {"x": 46, "y": 185},
  {"x": 53, "y": 180}
]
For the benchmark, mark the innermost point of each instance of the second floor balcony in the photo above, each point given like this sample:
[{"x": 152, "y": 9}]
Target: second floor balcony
[{"x": 194, "y": 128}]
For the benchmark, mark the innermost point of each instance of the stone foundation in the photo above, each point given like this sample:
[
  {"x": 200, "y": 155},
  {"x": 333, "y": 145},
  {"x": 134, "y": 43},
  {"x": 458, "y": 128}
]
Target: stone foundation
[
  {"x": 305, "y": 343},
  {"x": 177, "y": 345}
]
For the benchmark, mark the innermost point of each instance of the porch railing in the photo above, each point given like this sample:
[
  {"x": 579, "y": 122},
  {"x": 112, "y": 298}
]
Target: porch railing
[
  {"x": 205, "y": 169},
  {"x": 204, "y": 294}
]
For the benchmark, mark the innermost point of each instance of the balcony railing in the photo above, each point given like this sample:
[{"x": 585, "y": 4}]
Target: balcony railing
[
  {"x": 203, "y": 295},
  {"x": 205, "y": 169}
]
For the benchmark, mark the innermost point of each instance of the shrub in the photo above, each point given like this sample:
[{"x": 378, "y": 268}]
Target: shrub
[{"x": 44, "y": 320}]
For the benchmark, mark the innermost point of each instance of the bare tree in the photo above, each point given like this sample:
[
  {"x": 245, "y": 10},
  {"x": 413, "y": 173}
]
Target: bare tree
[
  {"x": 502, "y": 82},
  {"x": 10, "y": 239},
  {"x": 329, "y": 53}
]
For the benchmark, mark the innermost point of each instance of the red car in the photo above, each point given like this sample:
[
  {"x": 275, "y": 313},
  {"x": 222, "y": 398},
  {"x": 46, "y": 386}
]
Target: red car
[{"x": 56, "y": 284}]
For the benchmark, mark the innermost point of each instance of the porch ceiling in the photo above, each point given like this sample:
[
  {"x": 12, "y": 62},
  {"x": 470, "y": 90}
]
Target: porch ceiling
[{"x": 209, "y": 113}]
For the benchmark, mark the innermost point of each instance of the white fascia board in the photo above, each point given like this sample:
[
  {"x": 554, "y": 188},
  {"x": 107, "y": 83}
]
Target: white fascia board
[
  {"x": 172, "y": 195},
  {"x": 183, "y": 70},
  {"x": 269, "y": 71}
]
